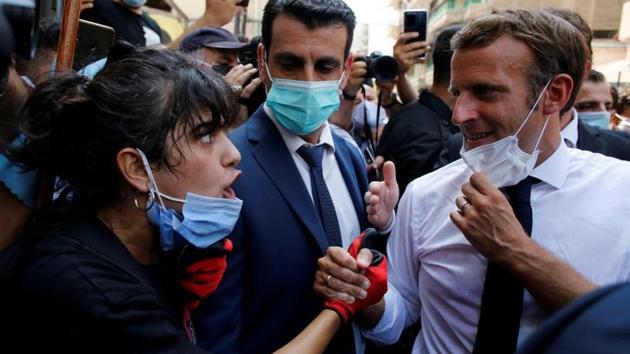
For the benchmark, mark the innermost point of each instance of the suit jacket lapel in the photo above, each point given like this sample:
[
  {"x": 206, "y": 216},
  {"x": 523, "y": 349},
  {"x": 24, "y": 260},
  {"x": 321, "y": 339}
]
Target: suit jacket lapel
[
  {"x": 355, "y": 183},
  {"x": 274, "y": 158}
]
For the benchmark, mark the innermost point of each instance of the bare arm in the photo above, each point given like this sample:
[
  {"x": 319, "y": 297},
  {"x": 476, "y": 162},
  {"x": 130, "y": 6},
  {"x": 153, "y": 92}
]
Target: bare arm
[
  {"x": 490, "y": 226},
  {"x": 343, "y": 117},
  {"x": 314, "y": 338},
  {"x": 217, "y": 14},
  {"x": 408, "y": 55}
]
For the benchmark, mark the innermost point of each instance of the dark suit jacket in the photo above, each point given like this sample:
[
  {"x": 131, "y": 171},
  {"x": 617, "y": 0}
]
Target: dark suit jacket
[
  {"x": 266, "y": 297},
  {"x": 415, "y": 137},
  {"x": 596, "y": 323},
  {"x": 79, "y": 290},
  {"x": 601, "y": 141}
]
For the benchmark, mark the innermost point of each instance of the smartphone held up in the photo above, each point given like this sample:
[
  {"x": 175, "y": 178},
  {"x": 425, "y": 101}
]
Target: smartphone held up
[{"x": 416, "y": 20}]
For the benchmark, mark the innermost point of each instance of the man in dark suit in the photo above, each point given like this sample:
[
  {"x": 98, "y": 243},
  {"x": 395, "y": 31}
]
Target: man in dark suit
[
  {"x": 302, "y": 186},
  {"x": 598, "y": 322},
  {"x": 417, "y": 136},
  {"x": 590, "y": 98}
]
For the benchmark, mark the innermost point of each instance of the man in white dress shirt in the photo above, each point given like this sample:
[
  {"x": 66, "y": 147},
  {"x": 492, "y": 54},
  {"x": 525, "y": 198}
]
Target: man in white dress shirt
[{"x": 511, "y": 71}]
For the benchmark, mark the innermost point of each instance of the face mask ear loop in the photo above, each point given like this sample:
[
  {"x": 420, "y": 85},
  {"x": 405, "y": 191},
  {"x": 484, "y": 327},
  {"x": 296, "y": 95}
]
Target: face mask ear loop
[
  {"x": 147, "y": 169},
  {"x": 532, "y": 109},
  {"x": 541, "y": 134}
]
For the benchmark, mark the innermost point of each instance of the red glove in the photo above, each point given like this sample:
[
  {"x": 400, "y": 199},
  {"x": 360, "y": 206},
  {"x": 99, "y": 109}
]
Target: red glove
[
  {"x": 201, "y": 277},
  {"x": 376, "y": 274}
]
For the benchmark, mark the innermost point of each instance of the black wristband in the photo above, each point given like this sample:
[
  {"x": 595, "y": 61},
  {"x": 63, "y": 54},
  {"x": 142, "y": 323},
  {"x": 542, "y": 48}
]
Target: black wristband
[{"x": 347, "y": 96}]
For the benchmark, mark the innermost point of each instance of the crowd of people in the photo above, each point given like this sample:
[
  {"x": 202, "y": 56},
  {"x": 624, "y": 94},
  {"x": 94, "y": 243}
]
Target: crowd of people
[{"x": 210, "y": 193}]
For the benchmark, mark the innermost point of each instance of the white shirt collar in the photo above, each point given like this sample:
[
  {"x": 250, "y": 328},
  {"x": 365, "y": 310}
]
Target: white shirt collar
[
  {"x": 555, "y": 168},
  {"x": 570, "y": 132},
  {"x": 294, "y": 142}
]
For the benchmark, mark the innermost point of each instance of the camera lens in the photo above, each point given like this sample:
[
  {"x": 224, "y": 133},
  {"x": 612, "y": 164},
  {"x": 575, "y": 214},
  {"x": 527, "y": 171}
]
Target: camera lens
[{"x": 384, "y": 68}]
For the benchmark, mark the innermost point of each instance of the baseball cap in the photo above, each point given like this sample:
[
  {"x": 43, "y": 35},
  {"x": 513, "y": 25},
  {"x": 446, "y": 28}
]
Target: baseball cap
[{"x": 210, "y": 38}]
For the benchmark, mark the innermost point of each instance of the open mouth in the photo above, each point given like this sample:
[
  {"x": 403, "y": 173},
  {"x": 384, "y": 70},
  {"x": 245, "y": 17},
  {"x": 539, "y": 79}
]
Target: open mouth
[
  {"x": 228, "y": 192},
  {"x": 477, "y": 139},
  {"x": 477, "y": 136}
]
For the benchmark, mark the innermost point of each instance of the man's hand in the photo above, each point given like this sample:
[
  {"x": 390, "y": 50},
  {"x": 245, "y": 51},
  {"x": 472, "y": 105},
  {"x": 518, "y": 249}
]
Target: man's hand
[
  {"x": 381, "y": 197},
  {"x": 238, "y": 76},
  {"x": 408, "y": 54},
  {"x": 487, "y": 220},
  {"x": 376, "y": 274},
  {"x": 358, "y": 70},
  {"x": 339, "y": 275}
]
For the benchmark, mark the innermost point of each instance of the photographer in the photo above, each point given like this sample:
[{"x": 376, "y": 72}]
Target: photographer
[
  {"x": 418, "y": 135},
  {"x": 355, "y": 94},
  {"x": 219, "y": 48}
]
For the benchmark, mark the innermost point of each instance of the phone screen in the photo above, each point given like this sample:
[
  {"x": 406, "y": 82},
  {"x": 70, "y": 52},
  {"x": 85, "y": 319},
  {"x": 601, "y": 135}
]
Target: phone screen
[
  {"x": 93, "y": 43},
  {"x": 416, "y": 21}
]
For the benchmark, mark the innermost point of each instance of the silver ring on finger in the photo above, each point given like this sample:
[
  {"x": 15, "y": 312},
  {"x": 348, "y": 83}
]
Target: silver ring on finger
[
  {"x": 328, "y": 277},
  {"x": 462, "y": 208},
  {"x": 238, "y": 89}
]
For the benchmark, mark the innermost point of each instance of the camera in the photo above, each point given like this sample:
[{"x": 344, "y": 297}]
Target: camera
[
  {"x": 381, "y": 67},
  {"x": 248, "y": 54}
]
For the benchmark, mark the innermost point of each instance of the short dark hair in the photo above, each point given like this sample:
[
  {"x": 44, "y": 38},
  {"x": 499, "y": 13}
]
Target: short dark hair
[
  {"x": 48, "y": 35},
  {"x": 557, "y": 46},
  {"x": 312, "y": 13},
  {"x": 596, "y": 76},
  {"x": 623, "y": 101},
  {"x": 442, "y": 55},
  {"x": 74, "y": 127}
]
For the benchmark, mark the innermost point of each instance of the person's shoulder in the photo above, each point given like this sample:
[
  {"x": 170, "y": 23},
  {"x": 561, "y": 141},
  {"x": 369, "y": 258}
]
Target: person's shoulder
[
  {"x": 583, "y": 163},
  {"x": 410, "y": 112}
]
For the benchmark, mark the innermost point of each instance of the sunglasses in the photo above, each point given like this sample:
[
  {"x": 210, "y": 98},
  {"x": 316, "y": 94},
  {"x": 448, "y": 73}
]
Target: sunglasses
[{"x": 242, "y": 3}]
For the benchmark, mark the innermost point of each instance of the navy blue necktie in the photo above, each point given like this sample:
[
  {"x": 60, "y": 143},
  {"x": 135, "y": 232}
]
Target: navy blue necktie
[
  {"x": 502, "y": 299},
  {"x": 321, "y": 197}
]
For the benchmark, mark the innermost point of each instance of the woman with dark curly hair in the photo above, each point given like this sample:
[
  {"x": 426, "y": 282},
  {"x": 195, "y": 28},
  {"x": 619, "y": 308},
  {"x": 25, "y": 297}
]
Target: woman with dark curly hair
[{"x": 144, "y": 170}]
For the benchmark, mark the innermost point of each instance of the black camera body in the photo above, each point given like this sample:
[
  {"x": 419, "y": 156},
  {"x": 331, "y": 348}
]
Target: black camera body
[{"x": 381, "y": 67}]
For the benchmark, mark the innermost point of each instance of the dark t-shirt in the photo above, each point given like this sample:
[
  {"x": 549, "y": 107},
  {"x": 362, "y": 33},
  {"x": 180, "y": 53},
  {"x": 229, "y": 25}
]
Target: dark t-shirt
[{"x": 127, "y": 24}]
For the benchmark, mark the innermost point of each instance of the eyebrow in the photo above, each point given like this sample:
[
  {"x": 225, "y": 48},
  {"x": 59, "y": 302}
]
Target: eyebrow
[
  {"x": 288, "y": 57},
  {"x": 294, "y": 59}
]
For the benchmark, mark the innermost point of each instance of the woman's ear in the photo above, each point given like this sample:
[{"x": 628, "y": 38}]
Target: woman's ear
[
  {"x": 130, "y": 165},
  {"x": 558, "y": 94}
]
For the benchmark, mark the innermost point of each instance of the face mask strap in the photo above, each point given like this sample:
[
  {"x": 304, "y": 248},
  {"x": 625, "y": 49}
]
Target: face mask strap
[
  {"x": 532, "y": 109},
  {"x": 541, "y": 134},
  {"x": 157, "y": 192}
]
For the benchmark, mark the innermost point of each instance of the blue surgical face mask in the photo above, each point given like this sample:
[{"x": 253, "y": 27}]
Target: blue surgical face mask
[
  {"x": 202, "y": 222},
  {"x": 596, "y": 119},
  {"x": 302, "y": 107},
  {"x": 134, "y": 3}
]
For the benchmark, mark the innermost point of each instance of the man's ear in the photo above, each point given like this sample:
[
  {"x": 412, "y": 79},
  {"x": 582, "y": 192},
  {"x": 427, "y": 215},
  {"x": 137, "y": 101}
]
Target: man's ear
[
  {"x": 558, "y": 94},
  {"x": 347, "y": 68},
  {"x": 131, "y": 168},
  {"x": 262, "y": 68}
]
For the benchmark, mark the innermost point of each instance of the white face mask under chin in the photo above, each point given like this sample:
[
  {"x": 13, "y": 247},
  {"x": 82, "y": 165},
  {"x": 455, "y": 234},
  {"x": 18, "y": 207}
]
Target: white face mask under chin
[{"x": 504, "y": 161}]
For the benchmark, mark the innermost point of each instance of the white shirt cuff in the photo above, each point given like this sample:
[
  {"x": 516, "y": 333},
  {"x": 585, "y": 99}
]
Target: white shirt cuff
[{"x": 390, "y": 225}]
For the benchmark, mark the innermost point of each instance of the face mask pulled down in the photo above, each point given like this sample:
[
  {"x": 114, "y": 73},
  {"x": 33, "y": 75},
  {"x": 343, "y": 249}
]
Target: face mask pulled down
[
  {"x": 504, "y": 161},
  {"x": 301, "y": 107},
  {"x": 203, "y": 221}
]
